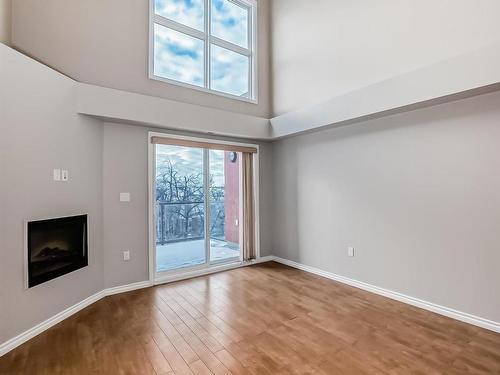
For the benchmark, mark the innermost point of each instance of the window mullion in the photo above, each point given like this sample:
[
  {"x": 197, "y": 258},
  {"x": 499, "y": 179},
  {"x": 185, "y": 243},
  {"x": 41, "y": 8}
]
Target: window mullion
[
  {"x": 205, "y": 35},
  {"x": 230, "y": 46},
  {"x": 251, "y": 44},
  {"x": 208, "y": 6},
  {"x": 179, "y": 27},
  {"x": 206, "y": 191},
  {"x": 240, "y": 4}
]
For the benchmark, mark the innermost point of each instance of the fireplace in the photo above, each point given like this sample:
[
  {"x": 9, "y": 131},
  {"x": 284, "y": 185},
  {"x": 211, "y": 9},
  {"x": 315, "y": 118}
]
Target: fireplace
[{"x": 55, "y": 247}]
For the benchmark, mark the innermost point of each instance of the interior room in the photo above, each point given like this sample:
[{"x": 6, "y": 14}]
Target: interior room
[{"x": 249, "y": 187}]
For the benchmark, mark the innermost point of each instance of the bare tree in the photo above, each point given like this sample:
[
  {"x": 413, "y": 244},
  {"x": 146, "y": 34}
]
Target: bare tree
[{"x": 184, "y": 197}]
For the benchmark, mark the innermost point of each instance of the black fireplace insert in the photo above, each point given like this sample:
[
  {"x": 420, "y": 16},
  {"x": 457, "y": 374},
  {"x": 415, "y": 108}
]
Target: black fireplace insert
[{"x": 56, "y": 247}]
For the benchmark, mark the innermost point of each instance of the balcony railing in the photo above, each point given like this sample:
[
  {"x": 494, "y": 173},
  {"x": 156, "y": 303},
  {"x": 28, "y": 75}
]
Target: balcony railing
[{"x": 185, "y": 221}]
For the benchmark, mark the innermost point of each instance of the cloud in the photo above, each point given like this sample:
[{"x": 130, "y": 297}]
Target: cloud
[
  {"x": 178, "y": 56},
  {"x": 189, "y": 161},
  {"x": 229, "y": 71},
  {"x": 217, "y": 167},
  {"x": 230, "y": 22},
  {"x": 187, "y": 12}
]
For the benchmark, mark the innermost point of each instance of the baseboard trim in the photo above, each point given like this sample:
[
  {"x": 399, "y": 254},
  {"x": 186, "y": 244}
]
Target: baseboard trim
[
  {"x": 127, "y": 288},
  {"x": 442, "y": 310},
  {"x": 207, "y": 271},
  {"x": 52, "y": 321},
  {"x": 268, "y": 258},
  {"x": 59, "y": 317}
]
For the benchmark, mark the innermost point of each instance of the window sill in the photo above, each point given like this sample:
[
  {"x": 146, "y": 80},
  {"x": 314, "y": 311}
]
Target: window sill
[
  {"x": 206, "y": 269},
  {"x": 203, "y": 89}
]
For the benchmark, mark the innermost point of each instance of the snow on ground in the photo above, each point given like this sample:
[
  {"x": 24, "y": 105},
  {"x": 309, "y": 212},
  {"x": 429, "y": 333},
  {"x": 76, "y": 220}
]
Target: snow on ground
[{"x": 191, "y": 253}]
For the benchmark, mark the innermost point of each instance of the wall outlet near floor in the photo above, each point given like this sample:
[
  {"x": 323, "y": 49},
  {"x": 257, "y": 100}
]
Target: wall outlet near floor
[
  {"x": 126, "y": 255},
  {"x": 350, "y": 251},
  {"x": 124, "y": 197}
]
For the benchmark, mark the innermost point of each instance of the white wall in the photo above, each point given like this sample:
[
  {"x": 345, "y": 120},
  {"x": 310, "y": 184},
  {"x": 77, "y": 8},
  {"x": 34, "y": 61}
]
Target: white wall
[
  {"x": 416, "y": 194},
  {"x": 106, "y": 43},
  {"x": 126, "y": 224},
  {"x": 5, "y": 21},
  {"x": 40, "y": 131},
  {"x": 332, "y": 47}
]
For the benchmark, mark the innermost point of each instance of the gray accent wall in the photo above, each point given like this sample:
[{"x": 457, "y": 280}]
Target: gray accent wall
[
  {"x": 5, "y": 21},
  {"x": 324, "y": 48},
  {"x": 126, "y": 224},
  {"x": 106, "y": 43},
  {"x": 416, "y": 195},
  {"x": 40, "y": 131}
]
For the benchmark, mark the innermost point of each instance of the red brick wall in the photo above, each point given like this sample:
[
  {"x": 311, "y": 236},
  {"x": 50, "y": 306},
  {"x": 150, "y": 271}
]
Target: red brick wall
[{"x": 231, "y": 198}]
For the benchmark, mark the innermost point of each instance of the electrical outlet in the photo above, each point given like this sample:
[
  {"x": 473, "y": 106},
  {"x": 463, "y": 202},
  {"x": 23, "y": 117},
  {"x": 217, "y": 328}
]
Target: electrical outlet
[
  {"x": 124, "y": 197},
  {"x": 126, "y": 255},
  {"x": 350, "y": 251},
  {"x": 64, "y": 175}
]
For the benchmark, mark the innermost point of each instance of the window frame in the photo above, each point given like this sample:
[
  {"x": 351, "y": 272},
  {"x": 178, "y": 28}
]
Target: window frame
[
  {"x": 208, "y": 39},
  {"x": 156, "y": 278}
]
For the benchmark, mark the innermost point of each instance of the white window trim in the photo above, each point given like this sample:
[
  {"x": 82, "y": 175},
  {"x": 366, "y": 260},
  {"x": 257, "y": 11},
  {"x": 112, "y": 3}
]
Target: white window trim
[
  {"x": 251, "y": 52},
  {"x": 166, "y": 276}
]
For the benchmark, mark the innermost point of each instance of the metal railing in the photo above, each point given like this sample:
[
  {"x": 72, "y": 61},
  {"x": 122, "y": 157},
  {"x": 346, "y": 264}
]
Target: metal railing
[{"x": 185, "y": 221}]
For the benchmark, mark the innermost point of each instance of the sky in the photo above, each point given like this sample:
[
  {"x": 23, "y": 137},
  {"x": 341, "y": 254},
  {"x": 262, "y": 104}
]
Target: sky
[
  {"x": 188, "y": 161},
  {"x": 181, "y": 57}
]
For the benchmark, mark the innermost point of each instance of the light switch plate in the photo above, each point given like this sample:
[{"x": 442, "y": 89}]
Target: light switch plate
[
  {"x": 124, "y": 197},
  {"x": 350, "y": 251},
  {"x": 57, "y": 175},
  {"x": 126, "y": 255}
]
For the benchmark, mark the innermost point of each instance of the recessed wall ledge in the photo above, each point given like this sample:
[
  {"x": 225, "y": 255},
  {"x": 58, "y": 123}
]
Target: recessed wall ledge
[
  {"x": 460, "y": 77},
  {"x": 463, "y": 76},
  {"x": 117, "y": 105}
]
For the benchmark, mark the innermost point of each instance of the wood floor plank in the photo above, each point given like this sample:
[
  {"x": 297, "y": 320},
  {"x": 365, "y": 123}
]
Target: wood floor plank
[
  {"x": 199, "y": 368},
  {"x": 173, "y": 357},
  {"x": 156, "y": 358},
  {"x": 231, "y": 363},
  {"x": 208, "y": 358},
  {"x": 266, "y": 319}
]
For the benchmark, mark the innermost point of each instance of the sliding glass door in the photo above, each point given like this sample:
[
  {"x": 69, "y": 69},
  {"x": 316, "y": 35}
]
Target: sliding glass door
[
  {"x": 224, "y": 199},
  {"x": 197, "y": 207}
]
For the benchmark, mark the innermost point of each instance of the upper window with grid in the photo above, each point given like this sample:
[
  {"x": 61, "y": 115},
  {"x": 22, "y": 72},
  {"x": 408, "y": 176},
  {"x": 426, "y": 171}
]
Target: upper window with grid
[{"x": 205, "y": 44}]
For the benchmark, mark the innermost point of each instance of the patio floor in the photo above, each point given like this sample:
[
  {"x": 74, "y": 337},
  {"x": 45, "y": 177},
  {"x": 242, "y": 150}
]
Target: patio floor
[{"x": 191, "y": 253}]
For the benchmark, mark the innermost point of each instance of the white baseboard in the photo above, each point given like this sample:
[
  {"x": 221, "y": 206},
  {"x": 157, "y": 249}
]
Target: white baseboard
[
  {"x": 127, "y": 288},
  {"x": 52, "y": 321},
  {"x": 43, "y": 326},
  {"x": 207, "y": 271},
  {"x": 442, "y": 310},
  {"x": 451, "y": 313},
  {"x": 265, "y": 259}
]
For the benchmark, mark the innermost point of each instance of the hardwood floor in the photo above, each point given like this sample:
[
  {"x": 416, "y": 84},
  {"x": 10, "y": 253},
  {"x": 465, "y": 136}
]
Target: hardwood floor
[{"x": 264, "y": 319}]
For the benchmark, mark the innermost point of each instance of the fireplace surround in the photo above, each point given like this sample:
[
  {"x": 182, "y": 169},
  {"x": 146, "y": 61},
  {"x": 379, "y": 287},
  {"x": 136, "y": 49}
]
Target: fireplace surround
[{"x": 55, "y": 247}]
